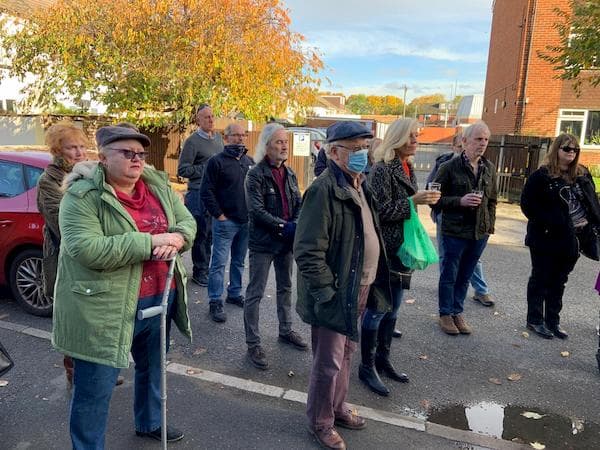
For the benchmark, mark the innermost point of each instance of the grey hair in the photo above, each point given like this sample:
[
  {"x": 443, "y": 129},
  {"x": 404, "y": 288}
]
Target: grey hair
[
  {"x": 228, "y": 128},
  {"x": 479, "y": 125},
  {"x": 264, "y": 139}
]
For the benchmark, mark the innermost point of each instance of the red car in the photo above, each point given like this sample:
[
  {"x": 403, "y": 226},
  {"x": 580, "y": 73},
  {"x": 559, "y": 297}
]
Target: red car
[{"x": 21, "y": 225}]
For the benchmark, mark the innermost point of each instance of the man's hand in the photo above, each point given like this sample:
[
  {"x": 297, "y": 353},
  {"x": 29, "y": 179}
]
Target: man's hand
[{"x": 470, "y": 200}]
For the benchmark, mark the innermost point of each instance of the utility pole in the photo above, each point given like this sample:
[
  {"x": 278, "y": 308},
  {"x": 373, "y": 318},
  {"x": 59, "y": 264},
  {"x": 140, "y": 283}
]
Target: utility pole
[{"x": 404, "y": 102}]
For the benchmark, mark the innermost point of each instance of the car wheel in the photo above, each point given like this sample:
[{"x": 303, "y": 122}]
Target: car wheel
[{"x": 26, "y": 283}]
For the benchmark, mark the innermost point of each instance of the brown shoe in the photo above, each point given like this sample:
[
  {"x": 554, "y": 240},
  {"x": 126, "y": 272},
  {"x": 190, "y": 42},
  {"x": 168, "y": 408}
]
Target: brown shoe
[
  {"x": 447, "y": 325},
  {"x": 350, "y": 420},
  {"x": 462, "y": 324},
  {"x": 484, "y": 299},
  {"x": 293, "y": 339},
  {"x": 329, "y": 438}
]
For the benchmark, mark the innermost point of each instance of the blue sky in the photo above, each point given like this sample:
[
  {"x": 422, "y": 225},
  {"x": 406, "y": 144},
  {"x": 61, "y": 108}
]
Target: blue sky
[{"x": 377, "y": 46}]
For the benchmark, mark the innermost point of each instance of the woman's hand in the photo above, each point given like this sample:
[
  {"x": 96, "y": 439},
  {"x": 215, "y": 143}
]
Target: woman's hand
[
  {"x": 164, "y": 252},
  {"x": 426, "y": 197},
  {"x": 168, "y": 239}
]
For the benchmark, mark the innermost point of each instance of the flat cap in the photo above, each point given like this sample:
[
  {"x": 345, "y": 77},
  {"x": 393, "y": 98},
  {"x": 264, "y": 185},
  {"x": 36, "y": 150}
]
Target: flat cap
[
  {"x": 347, "y": 129},
  {"x": 107, "y": 135}
]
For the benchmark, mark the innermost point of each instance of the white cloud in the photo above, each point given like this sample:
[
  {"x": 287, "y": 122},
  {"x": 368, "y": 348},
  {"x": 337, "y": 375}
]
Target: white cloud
[{"x": 364, "y": 43}]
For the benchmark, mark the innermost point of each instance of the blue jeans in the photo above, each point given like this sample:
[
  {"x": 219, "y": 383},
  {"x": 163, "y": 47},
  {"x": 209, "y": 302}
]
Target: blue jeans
[
  {"x": 93, "y": 384},
  {"x": 203, "y": 239},
  {"x": 372, "y": 319},
  {"x": 456, "y": 268},
  {"x": 478, "y": 281},
  {"x": 227, "y": 235}
]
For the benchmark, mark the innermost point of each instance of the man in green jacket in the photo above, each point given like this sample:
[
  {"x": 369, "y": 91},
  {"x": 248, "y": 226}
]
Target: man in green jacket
[
  {"x": 468, "y": 207},
  {"x": 120, "y": 222},
  {"x": 341, "y": 263}
]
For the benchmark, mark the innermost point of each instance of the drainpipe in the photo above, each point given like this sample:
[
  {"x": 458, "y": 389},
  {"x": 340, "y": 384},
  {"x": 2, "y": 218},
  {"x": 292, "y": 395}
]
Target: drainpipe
[{"x": 528, "y": 26}]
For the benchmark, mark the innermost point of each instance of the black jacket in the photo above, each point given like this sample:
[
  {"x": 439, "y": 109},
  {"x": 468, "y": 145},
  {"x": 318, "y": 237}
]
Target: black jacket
[
  {"x": 266, "y": 208},
  {"x": 222, "y": 189},
  {"x": 545, "y": 203},
  {"x": 457, "y": 179},
  {"x": 391, "y": 187}
]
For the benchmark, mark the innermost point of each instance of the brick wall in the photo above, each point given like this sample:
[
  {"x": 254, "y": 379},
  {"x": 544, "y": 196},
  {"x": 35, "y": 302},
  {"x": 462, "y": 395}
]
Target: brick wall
[
  {"x": 543, "y": 91},
  {"x": 504, "y": 65},
  {"x": 590, "y": 158},
  {"x": 589, "y": 97}
]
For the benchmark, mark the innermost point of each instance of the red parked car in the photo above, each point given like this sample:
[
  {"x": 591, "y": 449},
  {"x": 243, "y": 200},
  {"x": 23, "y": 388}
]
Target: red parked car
[{"x": 21, "y": 225}]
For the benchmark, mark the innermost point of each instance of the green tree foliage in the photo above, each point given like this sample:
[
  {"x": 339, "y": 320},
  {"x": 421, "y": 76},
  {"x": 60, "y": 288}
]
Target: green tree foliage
[
  {"x": 155, "y": 60},
  {"x": 577, "y": 57},
  {"x": 432, "y": 99},
  {"x": 374, "y": 104}
]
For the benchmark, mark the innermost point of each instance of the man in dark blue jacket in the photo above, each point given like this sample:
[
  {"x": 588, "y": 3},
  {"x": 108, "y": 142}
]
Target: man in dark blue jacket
[{"x": 222, "y": 193}]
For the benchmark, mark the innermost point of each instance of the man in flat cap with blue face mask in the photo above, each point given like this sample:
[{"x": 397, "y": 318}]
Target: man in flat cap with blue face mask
[{"x": 341, "y": 264}]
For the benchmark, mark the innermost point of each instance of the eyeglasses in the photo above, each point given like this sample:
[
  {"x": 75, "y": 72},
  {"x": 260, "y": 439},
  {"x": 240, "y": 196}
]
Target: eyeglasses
[
  {"x": 238, "y": 135},
  {"x": 355, "y": 149},
  {"x": 568, "y": 149},
  {"x": 130, "y": 154}
]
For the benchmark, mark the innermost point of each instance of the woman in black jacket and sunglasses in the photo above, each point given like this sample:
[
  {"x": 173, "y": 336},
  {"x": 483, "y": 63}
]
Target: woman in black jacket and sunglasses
[{"x": 560, "y": 201}]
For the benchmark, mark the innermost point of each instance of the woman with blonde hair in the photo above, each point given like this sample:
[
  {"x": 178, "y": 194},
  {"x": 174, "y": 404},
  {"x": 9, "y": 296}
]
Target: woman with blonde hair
[
  {"x": 560, "y": 201},
  {"x": 393, "y": 183}
]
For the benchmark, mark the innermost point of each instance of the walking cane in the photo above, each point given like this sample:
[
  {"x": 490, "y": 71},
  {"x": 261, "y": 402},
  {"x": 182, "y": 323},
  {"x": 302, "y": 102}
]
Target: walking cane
[{"x": 151, "y": 312}]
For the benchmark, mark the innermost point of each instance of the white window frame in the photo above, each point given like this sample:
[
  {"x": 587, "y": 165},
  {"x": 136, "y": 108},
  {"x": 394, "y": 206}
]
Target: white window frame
[{"x": 566, "y": 114}]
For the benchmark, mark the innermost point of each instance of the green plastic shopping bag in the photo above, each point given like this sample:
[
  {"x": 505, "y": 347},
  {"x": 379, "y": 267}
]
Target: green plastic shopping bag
[{"x": 417, "y": 251}]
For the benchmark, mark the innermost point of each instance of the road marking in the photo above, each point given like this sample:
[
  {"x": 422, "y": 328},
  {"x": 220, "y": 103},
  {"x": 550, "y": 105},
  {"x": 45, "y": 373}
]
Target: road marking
[{"x": 377, "y": 415}]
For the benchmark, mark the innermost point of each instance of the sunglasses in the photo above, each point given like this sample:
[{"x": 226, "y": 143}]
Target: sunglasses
[
  {"x": 568, "y": 149},
  {"x": 130, "y": 154}
]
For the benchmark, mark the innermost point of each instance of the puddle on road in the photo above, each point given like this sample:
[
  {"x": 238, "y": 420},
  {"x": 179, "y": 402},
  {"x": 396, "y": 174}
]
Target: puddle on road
[{"x": 520, "y": 424}]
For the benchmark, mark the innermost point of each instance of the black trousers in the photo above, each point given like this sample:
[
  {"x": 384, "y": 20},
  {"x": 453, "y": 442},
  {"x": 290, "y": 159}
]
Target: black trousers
[{"x": 549, "y": 273}]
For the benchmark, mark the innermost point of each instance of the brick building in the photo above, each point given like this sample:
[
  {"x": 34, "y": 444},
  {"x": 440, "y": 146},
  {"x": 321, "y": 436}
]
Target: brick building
[{"x": 522, "y": 93}]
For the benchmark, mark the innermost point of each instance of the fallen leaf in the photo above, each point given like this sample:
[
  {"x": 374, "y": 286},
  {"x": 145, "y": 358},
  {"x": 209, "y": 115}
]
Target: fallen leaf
[
  {"x": 423, "y": 357},
  {"x": 565, "y": 354},
  {"x": 291, "y": 373},
  {"x": 409, "y": 301},
  {"x": 525, "y": 334},
  {"x": 192, "y": 371},
  {"x": 197, "y": 302},
  {"x": 537, "y": 445},
  {"x": 57, "y": 366},
  {"x": 517, "y": 345},
  {"x": 514, "y": 377},
  {"x": 425, "y": 404},
  {"x": 3, "y": 383},
  {"x": 496, "y": 313},
  {"x": 44, "y": 398},
  {"x": 495, "y": 381},
  {"x": 199, "y": 351},
  {"x": 532, "y": 415}
]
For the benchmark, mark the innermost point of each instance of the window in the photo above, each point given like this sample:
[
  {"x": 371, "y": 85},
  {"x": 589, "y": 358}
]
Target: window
[
  {"x": 592, "y": 129},
  {"x": 585, "y": 125},
  {"x": 11, "y": 179},
  {"x": 31, "y": 176}
]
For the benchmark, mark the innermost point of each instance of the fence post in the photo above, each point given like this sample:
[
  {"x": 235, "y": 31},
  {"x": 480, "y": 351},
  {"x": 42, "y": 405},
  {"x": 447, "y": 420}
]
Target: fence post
[{"x": 500, "y": 163}]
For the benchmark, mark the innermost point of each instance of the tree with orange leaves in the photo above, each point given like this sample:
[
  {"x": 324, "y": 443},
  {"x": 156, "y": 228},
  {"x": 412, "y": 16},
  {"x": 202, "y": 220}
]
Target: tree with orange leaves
[{"x": 155, "y": 60}]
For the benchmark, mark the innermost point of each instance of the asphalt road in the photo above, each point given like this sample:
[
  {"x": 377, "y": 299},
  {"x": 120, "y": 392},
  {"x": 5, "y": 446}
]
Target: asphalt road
[{"x": 448, "y": 374}]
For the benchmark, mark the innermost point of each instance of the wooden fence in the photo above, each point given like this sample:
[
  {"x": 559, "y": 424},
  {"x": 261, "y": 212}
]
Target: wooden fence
[{"x": 168, "y": 142}]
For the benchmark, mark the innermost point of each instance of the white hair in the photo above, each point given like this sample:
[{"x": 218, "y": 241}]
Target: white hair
[
  {"x": 479, "y": 125},
  {"x": 264, "y": 139}
]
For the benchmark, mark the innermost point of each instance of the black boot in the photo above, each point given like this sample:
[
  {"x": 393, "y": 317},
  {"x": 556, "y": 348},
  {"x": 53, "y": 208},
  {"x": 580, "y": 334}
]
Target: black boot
[
  {"x": 366, "y": 370},
  {"x": 382, "y": 357}
]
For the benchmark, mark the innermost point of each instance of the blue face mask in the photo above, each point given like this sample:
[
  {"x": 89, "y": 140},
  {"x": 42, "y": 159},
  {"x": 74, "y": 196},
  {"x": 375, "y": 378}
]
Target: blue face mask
[{"x": 357, "y": 161}]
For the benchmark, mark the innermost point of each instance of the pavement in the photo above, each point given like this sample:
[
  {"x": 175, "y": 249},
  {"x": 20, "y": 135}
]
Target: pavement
[{"x": 484, "y": 390}]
